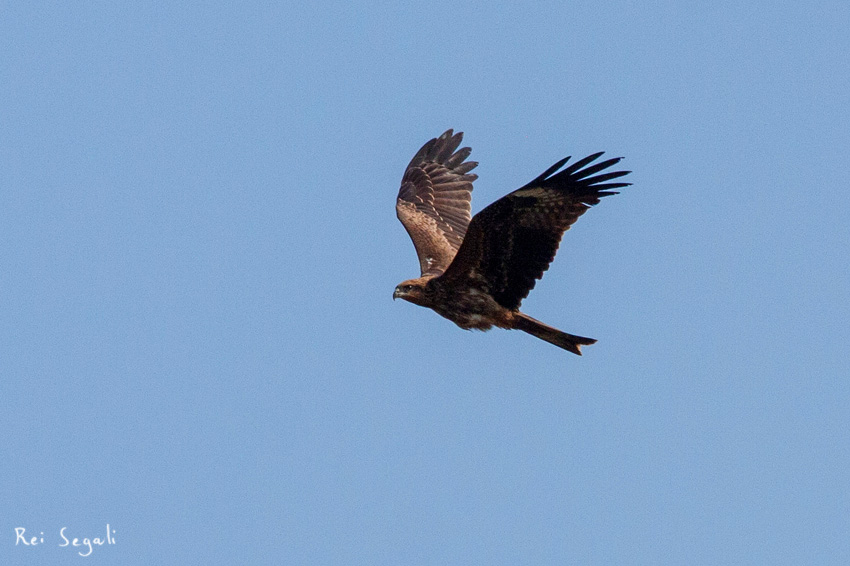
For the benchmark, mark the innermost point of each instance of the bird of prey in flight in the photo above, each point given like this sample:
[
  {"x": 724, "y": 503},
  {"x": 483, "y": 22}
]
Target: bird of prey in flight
[{"x": 477, "y": 272}]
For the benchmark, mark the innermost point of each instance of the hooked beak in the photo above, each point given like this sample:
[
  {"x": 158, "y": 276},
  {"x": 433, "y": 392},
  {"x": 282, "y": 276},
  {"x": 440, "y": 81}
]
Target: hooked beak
[{"x": 396, "y": 294}]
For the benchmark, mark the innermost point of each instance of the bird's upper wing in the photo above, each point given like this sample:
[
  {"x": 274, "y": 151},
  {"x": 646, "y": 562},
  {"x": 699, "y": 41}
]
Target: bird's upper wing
[
  {"x": 510, "y": 243},
  {"x": 434, "y": 200}
]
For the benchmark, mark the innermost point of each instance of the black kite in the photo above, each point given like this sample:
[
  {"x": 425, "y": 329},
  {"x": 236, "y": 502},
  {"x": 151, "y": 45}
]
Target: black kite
[{"x": 476, "y": 273}]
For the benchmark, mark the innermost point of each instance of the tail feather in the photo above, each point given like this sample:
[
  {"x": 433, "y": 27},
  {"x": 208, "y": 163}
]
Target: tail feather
[{"x": 554, "y": 336}]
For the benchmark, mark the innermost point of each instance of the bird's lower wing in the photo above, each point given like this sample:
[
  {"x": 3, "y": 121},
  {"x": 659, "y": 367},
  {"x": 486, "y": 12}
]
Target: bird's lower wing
[{"x": 510, "y": 244}]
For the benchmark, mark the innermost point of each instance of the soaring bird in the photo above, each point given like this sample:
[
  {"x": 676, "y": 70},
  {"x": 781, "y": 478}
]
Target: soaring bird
[{"x": 477, "y": 272}]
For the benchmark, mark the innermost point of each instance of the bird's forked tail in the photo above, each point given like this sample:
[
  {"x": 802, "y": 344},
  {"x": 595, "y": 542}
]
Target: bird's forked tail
[{"x": 554, "y": 336}]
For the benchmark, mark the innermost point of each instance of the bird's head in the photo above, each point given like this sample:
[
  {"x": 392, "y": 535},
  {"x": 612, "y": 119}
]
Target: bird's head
[{"x": 412, "y": 290}]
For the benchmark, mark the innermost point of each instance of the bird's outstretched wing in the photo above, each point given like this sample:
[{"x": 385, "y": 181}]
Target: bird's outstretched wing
[
  {"x": 434, "y": 200},
  {"x": 510, "y": 243}
]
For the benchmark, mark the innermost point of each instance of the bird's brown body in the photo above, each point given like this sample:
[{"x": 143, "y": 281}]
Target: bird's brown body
[
  {"x": 476, "y": 273},
  {"x": 473, "y": 308}
]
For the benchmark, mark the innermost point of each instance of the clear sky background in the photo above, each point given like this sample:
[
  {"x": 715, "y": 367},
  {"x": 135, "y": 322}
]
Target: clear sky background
[{"x": 198, "y": 248}]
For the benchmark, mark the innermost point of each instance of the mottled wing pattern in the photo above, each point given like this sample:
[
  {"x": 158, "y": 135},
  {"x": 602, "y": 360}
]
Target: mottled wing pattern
[
  {"x": 434, "y": 200},
  {"x": 511, "y": 243}
]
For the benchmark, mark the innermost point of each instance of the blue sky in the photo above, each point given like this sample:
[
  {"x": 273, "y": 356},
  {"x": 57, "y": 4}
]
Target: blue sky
[{"x": 198, "y": 344}]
